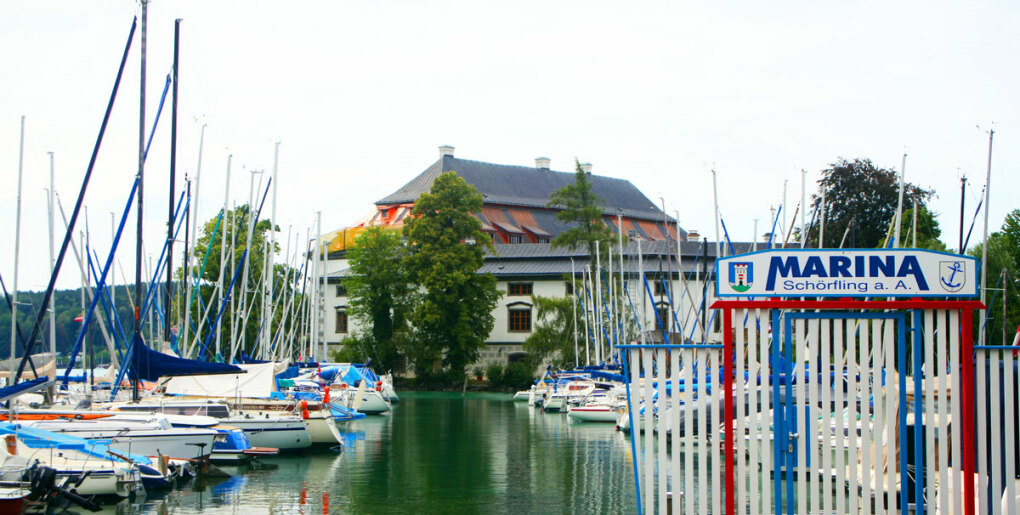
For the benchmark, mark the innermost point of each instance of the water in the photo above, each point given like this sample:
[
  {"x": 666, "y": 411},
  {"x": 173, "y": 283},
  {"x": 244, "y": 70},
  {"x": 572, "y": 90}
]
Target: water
[{"x": 437, "y": 453}]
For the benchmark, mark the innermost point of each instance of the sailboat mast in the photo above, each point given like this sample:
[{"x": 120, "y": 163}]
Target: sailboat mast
[
  {"x": 173, "y": 174},
  {"x": 267, "y": 308},
  {"x": 140, "y": 178},
  {"x": 17, "y": 244},
  {"x": 899, "y": 203},
  {"x": 194, "y": 232},
  {"x": 984, "y": 246},
  {"x": 53, "y": 311},
  {"x": 229, "y": 221}
]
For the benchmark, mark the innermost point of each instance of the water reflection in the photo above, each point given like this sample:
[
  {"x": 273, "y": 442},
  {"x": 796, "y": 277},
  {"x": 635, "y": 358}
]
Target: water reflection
[{"x": 437, "y": 452}]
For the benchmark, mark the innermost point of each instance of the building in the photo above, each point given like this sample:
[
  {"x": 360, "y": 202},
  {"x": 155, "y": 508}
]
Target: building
[{"x": 516, "y": 215}]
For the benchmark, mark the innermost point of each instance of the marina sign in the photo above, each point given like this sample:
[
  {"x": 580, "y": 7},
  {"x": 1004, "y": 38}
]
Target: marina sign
[{"x": 847, "y": 273}]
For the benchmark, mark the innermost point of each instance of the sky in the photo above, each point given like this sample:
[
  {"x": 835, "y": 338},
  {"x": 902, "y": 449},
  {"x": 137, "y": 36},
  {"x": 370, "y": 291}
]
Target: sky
[{"x": 360, "y": 95}]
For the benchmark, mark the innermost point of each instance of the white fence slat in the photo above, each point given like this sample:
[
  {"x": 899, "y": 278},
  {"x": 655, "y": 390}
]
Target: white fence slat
[
  {"x": 867, "y": 420},
  {"x": 981, "y": 363},
  {"x": 811, "y": 417},
  {"x": 763, "y": 422},
  {"x": 803, "y": 432},
  {"x": 995, "y": 395},
  {"x": 853, "y": 403},
  {"x": 739, "y": 389},
  {"x": 674, "y": 402},
  {"x": 649, "y": 491},
  {"x": 634, "y": 362},
  {"x": 957, "y": 424},
  {"x": 688, "y": 435},
  {"x": 839, "y": 326},
  {"x": 660, "y": 388},
  {"x": 878, "y": 431},
  {"x": 712, "y": 451},
  {"x": 701, "y": 448},
  {"x": 930, "y": 416},
  {"x": 753, "y": 389},
  {"x": 1009, "y": 432},
  {"x": 825, "y": 346},
  {"x": 892, "y": 398},
  {"x": 945, "y": 365}
]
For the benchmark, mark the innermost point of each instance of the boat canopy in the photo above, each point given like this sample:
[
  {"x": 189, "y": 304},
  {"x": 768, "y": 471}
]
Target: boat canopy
[
  {"x": 32, "y": 385},
  {"x": 149, "y": 365}
]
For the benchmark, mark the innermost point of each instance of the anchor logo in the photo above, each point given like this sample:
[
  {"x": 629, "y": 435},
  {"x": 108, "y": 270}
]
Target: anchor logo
[{"x": 952, "y": 275}]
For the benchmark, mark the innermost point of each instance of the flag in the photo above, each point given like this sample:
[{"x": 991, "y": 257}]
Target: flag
[{"x": 79, "y": 318}]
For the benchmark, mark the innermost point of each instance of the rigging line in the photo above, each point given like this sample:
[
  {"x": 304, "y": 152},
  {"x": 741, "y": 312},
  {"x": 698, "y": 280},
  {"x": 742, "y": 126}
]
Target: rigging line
[
  {"x": 99, "y": 284},
  {"x": 21, "y": 337}
]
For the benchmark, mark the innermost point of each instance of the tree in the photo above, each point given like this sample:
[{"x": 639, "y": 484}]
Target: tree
[
  {"x": 1011, "y": 229},
  {"x": 928, "y": 230},
  {"x": 380, "y": 293},
  {"x": 553, "y": 336},
  {"x": 1001, "y": 250},
  {"x": 243, "y": 312},
  {"x": 859, "y": 193},
  {"x": 446, "y": 246},
  {"x": 582, "y": 209}
]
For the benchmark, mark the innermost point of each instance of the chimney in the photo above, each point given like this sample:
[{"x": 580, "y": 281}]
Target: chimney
[
  {"x": 445, "y": 150},
  {"x": 692, "y": 235},
  {"x": 586, "y": 167},
  {"x": 542, "y": 163}
]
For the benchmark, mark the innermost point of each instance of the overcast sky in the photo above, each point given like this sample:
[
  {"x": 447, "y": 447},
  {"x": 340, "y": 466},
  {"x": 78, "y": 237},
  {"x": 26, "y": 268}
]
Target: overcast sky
[{"x": 361, "y": 94}]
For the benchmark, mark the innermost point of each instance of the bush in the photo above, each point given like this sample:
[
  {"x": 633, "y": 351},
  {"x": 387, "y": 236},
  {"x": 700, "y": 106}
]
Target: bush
[
  {"x": 495, "y": 374},
  {"x": 518, "y": 375}
]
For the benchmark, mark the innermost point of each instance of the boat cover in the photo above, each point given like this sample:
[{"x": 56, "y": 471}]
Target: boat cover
[
  {"x": 251, "y": 381},
  {"x": 149, "y": 365},
  {"x": 23, "y": 387}
]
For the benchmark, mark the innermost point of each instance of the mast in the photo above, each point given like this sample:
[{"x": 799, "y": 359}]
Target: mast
[
  {"x": 173, "y": 174},
  {"x": 899, "y": 203},
  {"x": 53, "y": 311},
  {"x": 194, "y": 232},
  {"x": 803, "y": 211},
  {"x": 229, "y": 221},
  {"x": 984, "y": 246},
  {"x": 270, "y": 272},
  {"x": 140, "y": 178},
  {"x": 963, "y": 197},
  {"x": 573, "y": 303},
  {"x": 821, "y": 224},
  {"x": 11, "y": 378}
]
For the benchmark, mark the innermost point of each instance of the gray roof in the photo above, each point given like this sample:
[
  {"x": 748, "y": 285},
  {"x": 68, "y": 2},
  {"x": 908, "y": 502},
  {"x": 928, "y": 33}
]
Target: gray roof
[
  {"x": 542, "y": 259},
  {"x": 527, "y": 186}
]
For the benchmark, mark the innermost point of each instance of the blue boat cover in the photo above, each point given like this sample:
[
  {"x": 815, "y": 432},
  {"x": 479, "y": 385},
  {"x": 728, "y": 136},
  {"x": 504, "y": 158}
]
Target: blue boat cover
[
  {"x": 23, "y": 387},
  {"x": 149, "y": 365}
]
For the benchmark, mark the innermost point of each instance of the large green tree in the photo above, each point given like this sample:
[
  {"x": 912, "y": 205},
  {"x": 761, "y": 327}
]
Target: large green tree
[
  {"x": 863, "y": 197},
  {"x": 581, "y": 208},
  {"x": 928, "y": 230},
  {"x": 243, "y": 313},
  {"x": 1003, "y": 269},
  {"x": 380, "y": 294},
  {"x": 446, "y": 246},
  {"x": 553, "y": 337}
]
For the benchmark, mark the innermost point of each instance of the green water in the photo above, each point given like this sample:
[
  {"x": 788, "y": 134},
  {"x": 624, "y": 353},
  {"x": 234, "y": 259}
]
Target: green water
[{"x": 436, "y": 453}]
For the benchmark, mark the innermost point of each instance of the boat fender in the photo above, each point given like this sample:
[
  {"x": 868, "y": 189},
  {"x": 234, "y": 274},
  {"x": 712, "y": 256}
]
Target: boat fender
[
  {"x": 12, "y": 444},
  {"x": 325, "y": 394},
  {"x": 304, "y": 410},
  {"x": 378, "y": 386}
]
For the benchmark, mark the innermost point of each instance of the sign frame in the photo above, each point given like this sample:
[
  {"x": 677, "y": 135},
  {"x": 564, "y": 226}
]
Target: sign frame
[{"x": 737, "y": 275}]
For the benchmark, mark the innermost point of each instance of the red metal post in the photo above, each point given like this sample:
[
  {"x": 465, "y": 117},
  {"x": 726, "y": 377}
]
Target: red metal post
[
  {"x": 731, "y": 457},
  {"x": 967, "y": 406}
]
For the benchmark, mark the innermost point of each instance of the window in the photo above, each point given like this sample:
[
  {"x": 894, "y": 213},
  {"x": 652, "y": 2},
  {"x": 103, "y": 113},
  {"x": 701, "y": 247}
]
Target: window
[
  {"x": 341, "y": 291},
  {"x": 514, "y": 238},
  {"x": 660, "y": 288},
  {"x": 341, "y": 321},
  {"x": 569, "y": 288},
  {"x": 541, "y": 240},
  {"x": 520, "y": 319},
  {"x": 664, "y": 317},
  {"x": 518, "y": 288}
]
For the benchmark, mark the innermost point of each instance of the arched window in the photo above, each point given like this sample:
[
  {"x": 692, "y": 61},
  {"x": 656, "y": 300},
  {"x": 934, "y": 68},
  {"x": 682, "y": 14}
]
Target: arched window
[{"x": 519, "y": 317}]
